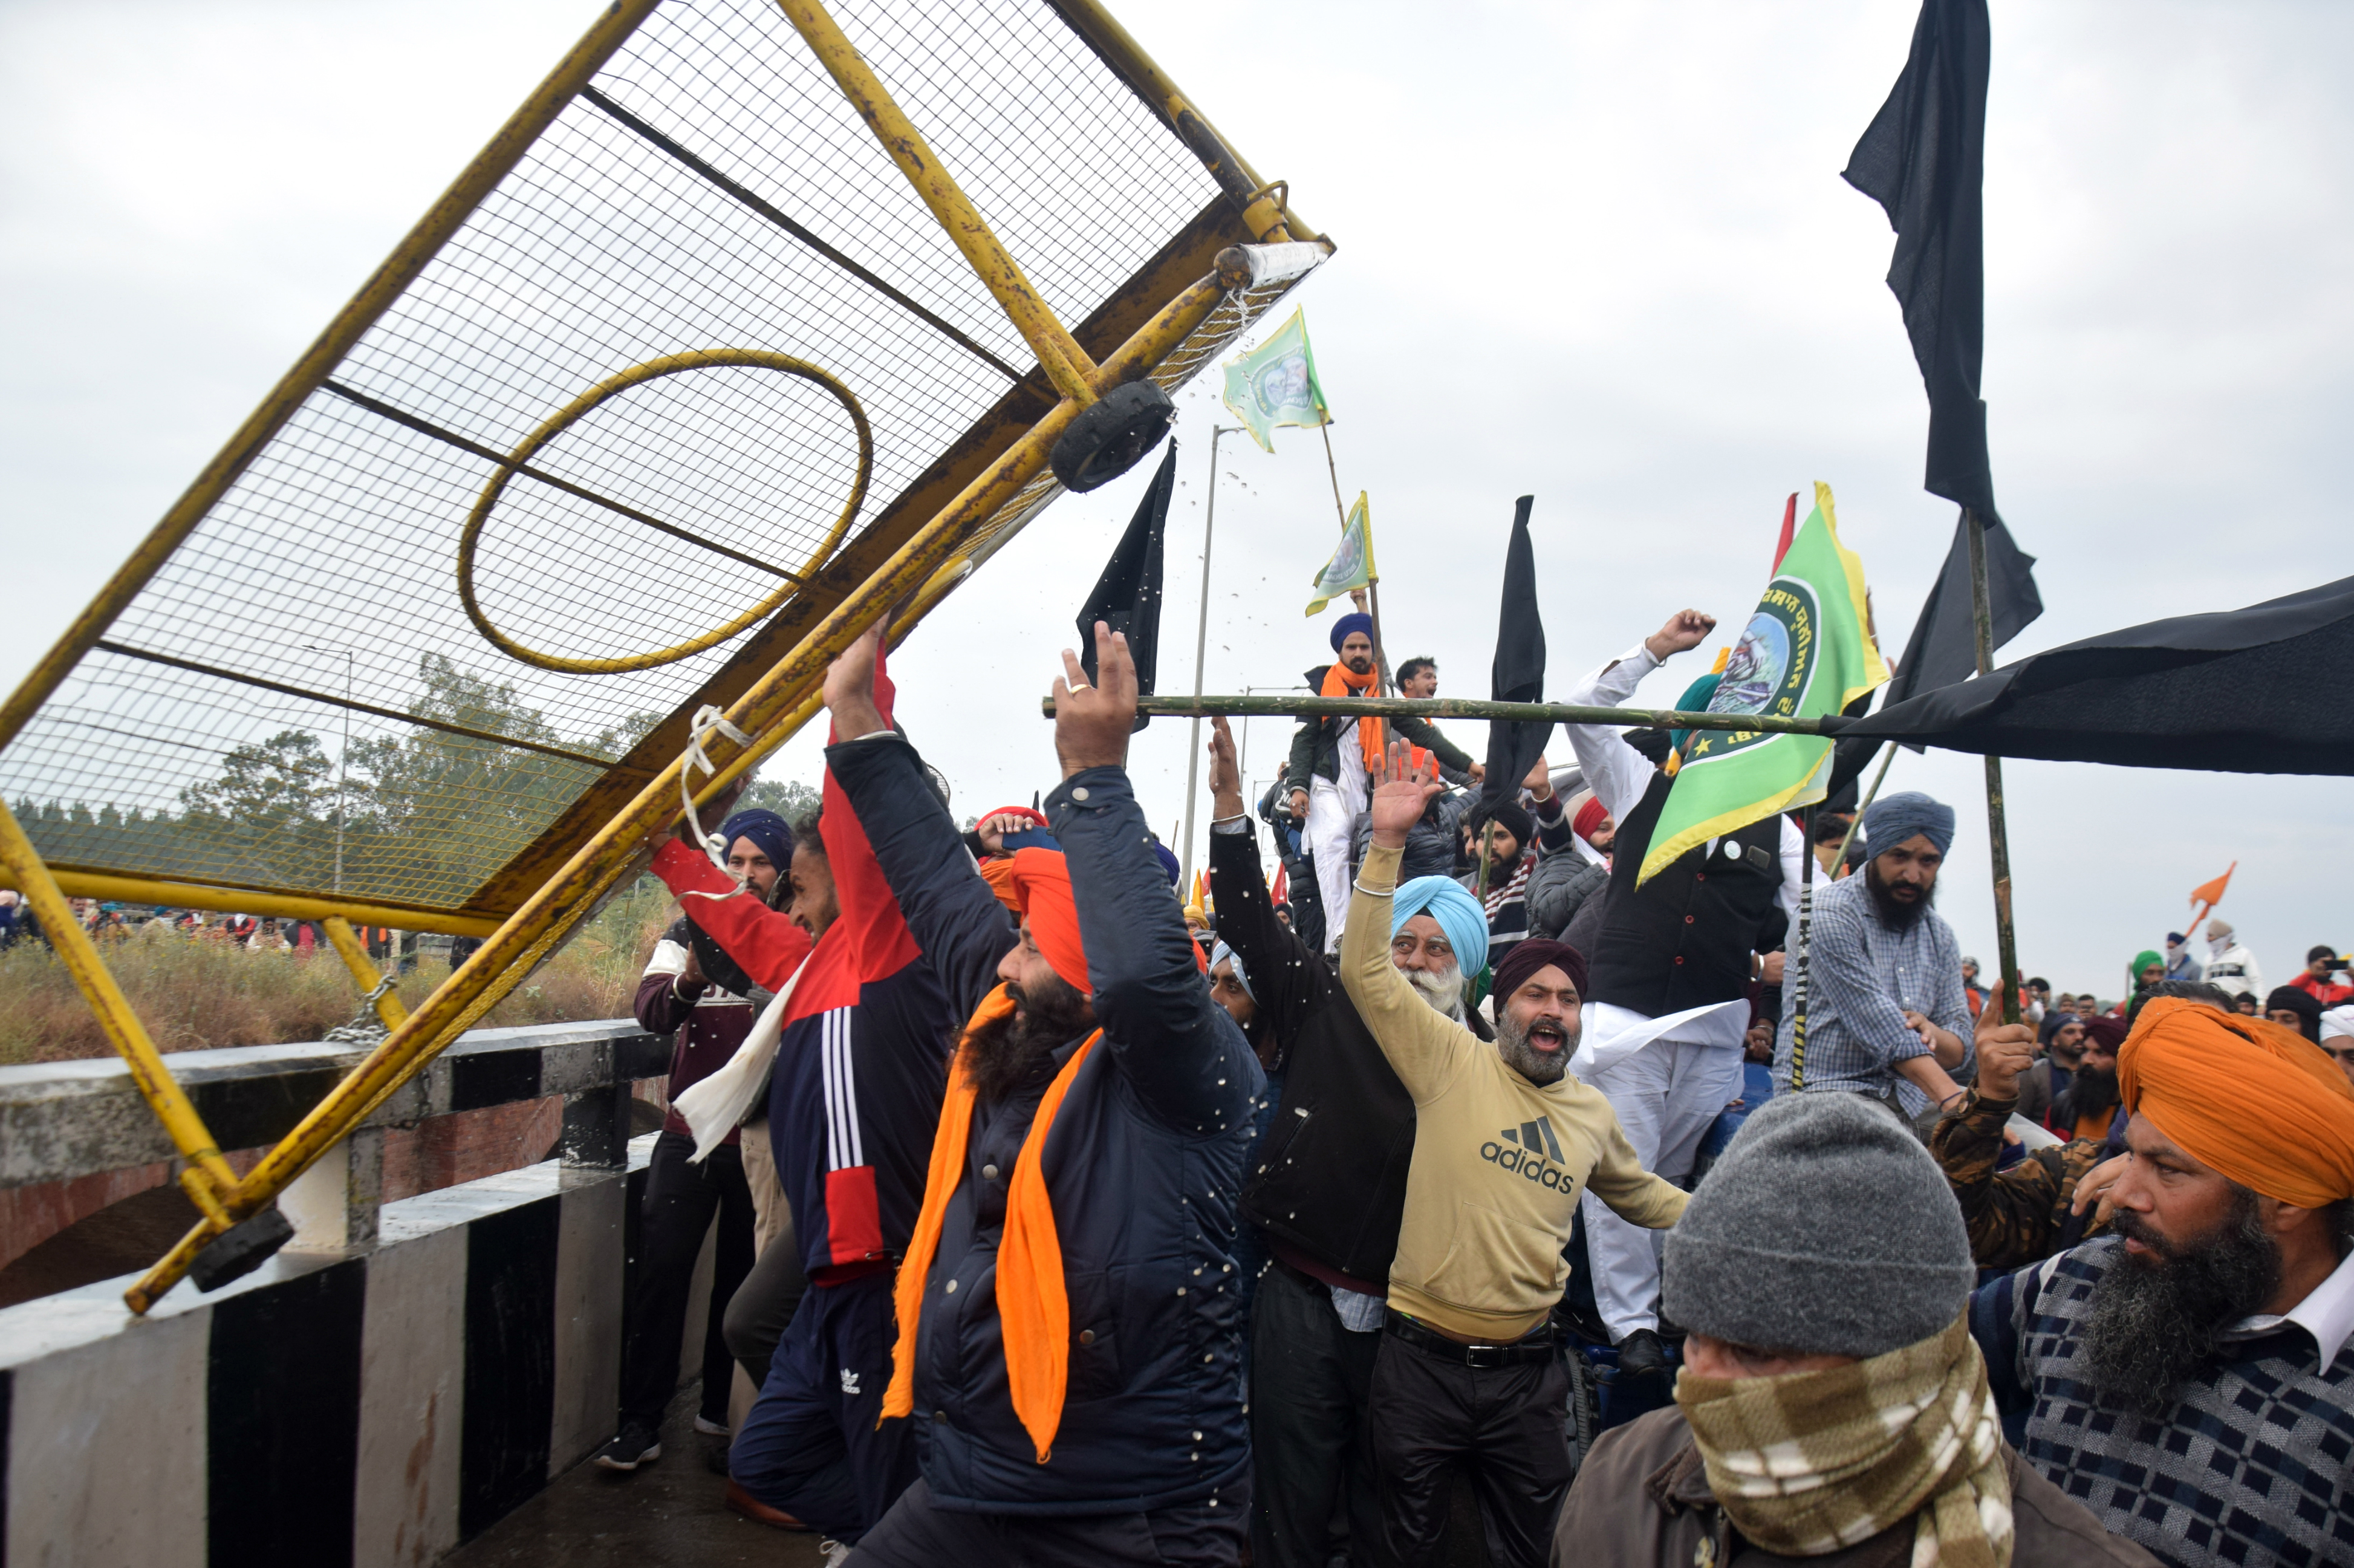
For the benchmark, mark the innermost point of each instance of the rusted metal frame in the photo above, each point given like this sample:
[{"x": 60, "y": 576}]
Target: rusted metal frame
[
  {"x": 1474, "y": 708},
  {"x": 402, "y": 418},
  {"x": 763, "y": 210},
  {"x": 374, "y": 987},
  {"x": 407, "y": 261},
  {"x": 307, "y": 694},
  {"x": 599, "y": 865},
  {"x": 207, "y": 1177},
  {"x": 232, "y": 900},
  {"x": 1059, "y": 353}
]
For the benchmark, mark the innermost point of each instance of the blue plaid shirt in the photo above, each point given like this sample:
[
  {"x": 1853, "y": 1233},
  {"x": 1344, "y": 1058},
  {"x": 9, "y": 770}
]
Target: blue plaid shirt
[{"x": 1862, "y": 977}]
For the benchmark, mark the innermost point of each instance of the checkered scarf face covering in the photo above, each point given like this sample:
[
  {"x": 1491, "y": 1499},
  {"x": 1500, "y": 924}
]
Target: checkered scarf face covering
[{"x": 1810, "y": 1462}]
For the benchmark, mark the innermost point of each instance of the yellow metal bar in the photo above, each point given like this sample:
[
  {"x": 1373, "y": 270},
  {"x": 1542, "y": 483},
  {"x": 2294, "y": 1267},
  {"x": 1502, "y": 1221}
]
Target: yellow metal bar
[
  {"x": 129, "y": 1037},
  {"x": 1065, "y": 363},
  {"x": 278, "y": 906},
  {"x": 620, "y": 846},
  {"x": 355, "y": 956},
  {"x": 408, "y": 259}
]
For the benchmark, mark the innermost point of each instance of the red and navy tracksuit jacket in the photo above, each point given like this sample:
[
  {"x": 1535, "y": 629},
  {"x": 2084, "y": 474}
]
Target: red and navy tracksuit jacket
[{"x": 862, "y": 1061}]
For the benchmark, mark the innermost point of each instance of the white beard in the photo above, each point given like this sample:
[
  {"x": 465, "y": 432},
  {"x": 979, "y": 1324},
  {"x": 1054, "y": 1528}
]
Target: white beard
[{"x": 1444, "y": 991}]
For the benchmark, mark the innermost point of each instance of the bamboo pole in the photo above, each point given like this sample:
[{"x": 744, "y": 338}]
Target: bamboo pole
[
  {"x": 1201, "y": 651},
  {"x": 1998, "y": 833}
]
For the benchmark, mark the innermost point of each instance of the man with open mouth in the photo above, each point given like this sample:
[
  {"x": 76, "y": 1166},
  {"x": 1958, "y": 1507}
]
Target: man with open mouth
[{"x": 1506, "y": 1141}]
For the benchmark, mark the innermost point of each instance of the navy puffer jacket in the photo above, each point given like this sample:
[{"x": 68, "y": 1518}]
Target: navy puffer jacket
[{"x": 1142, "y": 1166}]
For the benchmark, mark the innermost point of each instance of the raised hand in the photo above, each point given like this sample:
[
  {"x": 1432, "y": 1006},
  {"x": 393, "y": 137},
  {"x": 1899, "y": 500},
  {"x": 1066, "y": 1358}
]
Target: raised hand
[
  {"x": 1540, "y": 780},
  {"x": 1092, "y": 722},
  {"x": 2004, "y": 1055},
  {"x": 1402, "y": 791},
  {"x": 1685, "y": 629},
  {"x": 1225, "y": 777},
  {"x": 850, "y": 687},
  {"x": 992, "y": 830}
]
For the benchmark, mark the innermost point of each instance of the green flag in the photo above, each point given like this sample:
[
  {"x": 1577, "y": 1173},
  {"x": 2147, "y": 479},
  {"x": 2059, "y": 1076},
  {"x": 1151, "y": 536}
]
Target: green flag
[
  {"x": 1807, "y": 652},
  {"x": 1351, "y": 566},
  {"x": 1274, "y": 384}
]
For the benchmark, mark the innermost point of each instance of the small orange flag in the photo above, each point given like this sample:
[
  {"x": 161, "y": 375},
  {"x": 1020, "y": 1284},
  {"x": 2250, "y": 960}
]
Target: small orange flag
[{"x": 2212, "y": 893}]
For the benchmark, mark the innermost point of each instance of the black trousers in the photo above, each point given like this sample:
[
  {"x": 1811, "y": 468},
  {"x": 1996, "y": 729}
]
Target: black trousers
[
  {"x": 765, "y": 1303},
  {"x": 1501, "y": 1427},
  {"x": 917, "y": 1533},
  {"x": 1311, "y": 1382},
  {"x": 680, "y": 1199}
]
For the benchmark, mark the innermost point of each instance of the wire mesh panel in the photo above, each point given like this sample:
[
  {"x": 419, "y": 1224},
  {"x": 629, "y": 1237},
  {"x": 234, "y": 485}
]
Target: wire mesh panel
[{"x": 686, "y": 352}]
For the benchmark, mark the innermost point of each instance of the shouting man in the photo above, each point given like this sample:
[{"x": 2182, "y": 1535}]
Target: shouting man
[{"x": 1505, "y": 1142}]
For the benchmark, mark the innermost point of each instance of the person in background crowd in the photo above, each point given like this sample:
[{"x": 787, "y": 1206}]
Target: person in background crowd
[
  {"x": 2190, "y": 1378},
  {"x": 2338, "y": 1037},
  {"x": 1973, "y": 993},
  {"x": 1672, "y": 962},
  {"x": 710, "y": 1017},
  {"x": 2049, "y": 1078},
  {"x": 1886, "y": 1016},
  {"x": 2087, "y": 1107},
  {"x": 854, "y": 1100},
  {"x": 2230, "y": 965},
  {"x": 1505, "y": 1141},
  {"x": 2293, "y": 1007},
  {"x": 2244, "y": 1004},
  {"x": 2180, "y": 964},
  {"x": 1068, "y": 1320},
  {"x": 1832, "y": 1406},
  {"x": 1560, "y": 885},
  {"x": 10, "y": 908},
  {"x": 1325, "y": 1189},
  {"x": 2324, "y": 972},
  {"x": 1518, "y": 839},
  {"x": 461, "y": 949},
  {"x": 2027, "y": 1211},
  {"x": 2146, "y": 971},
  {"x": 1329, "y": 759},
  {"x": 1418, "y": 678}
]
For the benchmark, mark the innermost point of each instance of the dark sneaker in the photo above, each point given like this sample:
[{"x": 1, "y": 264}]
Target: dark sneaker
[
  {"x": 638, "y": 1445},
  {"x": 1640, "y": 1354}
]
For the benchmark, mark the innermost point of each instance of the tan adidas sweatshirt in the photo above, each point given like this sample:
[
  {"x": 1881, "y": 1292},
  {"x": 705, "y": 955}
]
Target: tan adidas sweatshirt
[{"x": 1499, "y": 1162}]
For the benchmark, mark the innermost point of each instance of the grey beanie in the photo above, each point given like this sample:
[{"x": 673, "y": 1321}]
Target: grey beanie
[{"x": 1825, "y": 1228}]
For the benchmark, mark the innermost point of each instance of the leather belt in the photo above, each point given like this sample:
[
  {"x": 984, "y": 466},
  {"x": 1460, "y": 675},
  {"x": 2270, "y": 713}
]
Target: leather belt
[{"x": 1536, "y": 1346}]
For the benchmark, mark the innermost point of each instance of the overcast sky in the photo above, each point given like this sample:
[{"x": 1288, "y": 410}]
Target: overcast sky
[{"x": 1599, "y": 254}]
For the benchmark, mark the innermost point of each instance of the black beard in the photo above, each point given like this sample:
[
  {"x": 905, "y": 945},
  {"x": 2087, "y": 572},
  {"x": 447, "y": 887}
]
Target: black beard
[
  {"x": 1358, "y": 665},
  {"x": 2155, "y": 1322},
  {"x": 2088, "y": 1094},
  {"x": 1895, "y": 912},
  {"x": 1512, "y": 1046},
  {"x": 1017, "y": 1051}
]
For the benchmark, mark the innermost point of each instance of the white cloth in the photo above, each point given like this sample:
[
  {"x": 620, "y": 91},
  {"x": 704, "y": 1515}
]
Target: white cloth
[
  {"x": 1618, "y": 774},
  {"x": 1333, "y": 809},
  {"x": 2327, "y": 1313},
  {"x": 2336, "y": 1022},
  {"x": 1668, "y": 1093},
  {"x": 717, "y": 1106}
]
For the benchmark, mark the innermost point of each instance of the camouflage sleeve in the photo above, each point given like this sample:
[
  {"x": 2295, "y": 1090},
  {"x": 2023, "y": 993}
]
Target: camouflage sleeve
[{"x": 2012, "y": 1216}]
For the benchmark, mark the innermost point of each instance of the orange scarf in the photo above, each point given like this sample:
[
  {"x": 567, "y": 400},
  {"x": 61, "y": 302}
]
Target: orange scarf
[
  {"x": 1032, "y": 1310},
  {"x": 1340, "y": 681}
]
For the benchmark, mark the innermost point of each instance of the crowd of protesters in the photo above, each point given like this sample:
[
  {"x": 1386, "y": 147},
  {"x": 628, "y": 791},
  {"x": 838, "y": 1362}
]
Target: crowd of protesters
[{"x": 1063, "y": 1221}]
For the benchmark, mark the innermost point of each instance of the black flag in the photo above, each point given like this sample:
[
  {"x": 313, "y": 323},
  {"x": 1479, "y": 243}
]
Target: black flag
[
  {"x": 2242, "y": 692},
  {"x": 1923, "y": 159},
  {"x": 1518, "y": 674},
  {"x": 1944, "y": 641},
  {"x": 1127, "y": 598}
]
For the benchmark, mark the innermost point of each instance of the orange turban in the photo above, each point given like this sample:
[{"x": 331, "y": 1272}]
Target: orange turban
[
  {"x": 1042, "y": 892},
  {"x": 2245, "y": 1097},
  {"x": 998, "y": 872}
]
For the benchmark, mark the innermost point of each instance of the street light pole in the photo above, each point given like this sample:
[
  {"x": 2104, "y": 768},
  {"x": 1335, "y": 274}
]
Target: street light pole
[{"x": 1201, "y": 651}]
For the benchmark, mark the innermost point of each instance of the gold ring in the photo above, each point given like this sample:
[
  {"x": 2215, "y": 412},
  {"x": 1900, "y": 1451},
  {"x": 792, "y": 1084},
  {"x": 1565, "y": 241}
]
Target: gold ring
[{"x": 1082, "y": 686}]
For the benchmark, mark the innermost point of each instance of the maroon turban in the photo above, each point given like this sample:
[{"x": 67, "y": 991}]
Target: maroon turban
[
  {"x": 1527, "y": 957},
  {"x": 2107, "y": 1033}
]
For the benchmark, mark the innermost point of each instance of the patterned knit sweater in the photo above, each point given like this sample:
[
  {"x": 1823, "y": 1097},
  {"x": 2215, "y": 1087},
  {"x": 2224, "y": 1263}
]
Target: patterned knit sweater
[{"x": 2249, "y": 1466}]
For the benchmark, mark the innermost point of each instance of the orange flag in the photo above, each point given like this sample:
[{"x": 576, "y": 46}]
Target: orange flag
[{"x": 2208, "y": 894}]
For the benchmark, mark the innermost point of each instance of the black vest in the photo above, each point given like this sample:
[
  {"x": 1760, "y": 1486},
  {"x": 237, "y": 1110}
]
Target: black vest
[{"x": 1683, "y": 939}]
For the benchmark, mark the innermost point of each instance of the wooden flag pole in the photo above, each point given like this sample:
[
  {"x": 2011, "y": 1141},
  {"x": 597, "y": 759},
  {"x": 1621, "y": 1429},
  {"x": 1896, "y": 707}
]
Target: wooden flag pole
[
  {"x": 1201, "y": 651},
  {"x": 1998, "y": 836}
]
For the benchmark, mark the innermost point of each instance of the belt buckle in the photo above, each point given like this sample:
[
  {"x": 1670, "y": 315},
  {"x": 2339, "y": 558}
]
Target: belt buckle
[{"x": 1483, "y": 1358}]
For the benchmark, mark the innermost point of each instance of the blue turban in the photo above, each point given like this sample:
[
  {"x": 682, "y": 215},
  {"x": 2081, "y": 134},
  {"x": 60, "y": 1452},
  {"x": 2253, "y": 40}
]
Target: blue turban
[
  {"x": 1355, "y": 620},
  {"x": 766, "y": 829},
  {"x": 1694, "y": 701},
  {"x": 1169, "y": 866},
  {"x": 1457, "y": 914},
  {"x": 1220, "y": 954},
  {"x": 1893, "y": 818}
]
